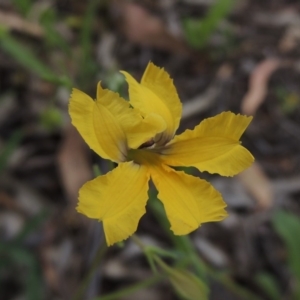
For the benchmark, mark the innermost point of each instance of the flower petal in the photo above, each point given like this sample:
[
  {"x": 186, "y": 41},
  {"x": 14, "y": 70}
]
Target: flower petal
[
  {"x": 108, "y": 115},
  {"x": 188, "y": 200},
  {"x": 128, "y": 121},
  {"x": 140, "y": 132},
  {"x": 212, "y": 146},
  {"x": 118, "y": 199},
  {"x": 159, "y": 81},
  {"x": 156, "y": 94},
  {"x": 81, "y": 109}
]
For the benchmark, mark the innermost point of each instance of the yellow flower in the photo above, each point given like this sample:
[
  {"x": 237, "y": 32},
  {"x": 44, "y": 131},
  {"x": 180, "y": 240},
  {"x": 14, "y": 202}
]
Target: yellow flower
[{"x": 139, "y": 135}]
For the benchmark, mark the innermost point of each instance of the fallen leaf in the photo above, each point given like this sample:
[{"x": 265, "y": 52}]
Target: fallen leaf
[
  {"x": 74, "y": 165},
  {"x": 291, "y": 39},
  {"x": 258, "y": 186},
  {"x": 145, "y": 29},
  {"x": 15, "y": 22},
  {"x": 258, "y": 85}
]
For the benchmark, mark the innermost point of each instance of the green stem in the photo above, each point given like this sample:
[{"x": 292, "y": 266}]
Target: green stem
[
  {"x": 131, "y": 289},
  {"x": 184, "y": 244},
  {"x": 148, "y": 254},
  {"x": 138, "y": 241},
  {"x": 94, "y": 265}
]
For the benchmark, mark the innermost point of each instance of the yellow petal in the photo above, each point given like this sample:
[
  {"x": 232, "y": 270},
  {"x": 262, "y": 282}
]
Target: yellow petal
[
  {"x": 212, "y": 146},
  {"x": 188, "y": 200},
  {"x": 156, "y": 94},
  {"x": 118, "y": 199},
  {"x": 140, "y": 132},
  {"x": 81, "y": 109},
  {"x": 126, "y": 123},
  {"x": 109, "y": 112},
  {"x": 159, "y": 81}
]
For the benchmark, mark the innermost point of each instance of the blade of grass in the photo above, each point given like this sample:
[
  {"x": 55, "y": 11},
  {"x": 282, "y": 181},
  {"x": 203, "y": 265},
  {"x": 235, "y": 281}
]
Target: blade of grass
[
  {"x": 23, "y": 6},
  {"x": 198, "y": 32},
  {"x": 79, "y": 294},
  {"x": 87, "y": 63},
  {"x": 9, "y": 148},
  {"x": 48, "y": 19},
  {"x": 131, "y": 289},
  {"x": 288, "y": 227},
  {"x": 23, "y": 258},
  {"x": 269, "y": 285},
  {"x": 25, "y": 57}
]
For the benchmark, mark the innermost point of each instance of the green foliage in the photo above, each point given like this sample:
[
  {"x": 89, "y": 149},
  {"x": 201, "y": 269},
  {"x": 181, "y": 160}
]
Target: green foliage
[
  {"x": 188, "y": 257},
  {"x": 288, "y": 227},
  {"x": 269, "y": 285},
  {"x": 23, "y": 6},
  {"x": 15, "y": 257},
  {"x": 48, "y": 20},
  {"x": 131, "y": 289},
  {"x": 198, "y": 32},
  {"x": 51, "y": 118},
  {"x": 185, "y": 283},
  {"x": 87, "y": 64},
  {"x": 25, "y": 264},
  {"x": 9, "y": 148},
  {"x": 115, "y": 81},
  {"x": 288, "y": 101},
  {"x": 188, "y": 285},
  {"x": 28, "y": 60}
]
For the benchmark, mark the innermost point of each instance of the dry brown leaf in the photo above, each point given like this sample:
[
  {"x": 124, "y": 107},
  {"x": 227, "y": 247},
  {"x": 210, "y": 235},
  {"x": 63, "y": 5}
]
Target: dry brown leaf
[
  {"x": 74, "y": 165},
  {"x": 15, "y": 22},
  {"x": 145, "y": 29},
  {"x": 291, "y": 39},
  {"x": 254, "y": 178},
  {"x": 258, "y": 85},
  {"x": 258, "y": 185}
]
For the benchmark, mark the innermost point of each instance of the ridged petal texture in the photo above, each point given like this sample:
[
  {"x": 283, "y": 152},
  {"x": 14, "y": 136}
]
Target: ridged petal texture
[
  {"x": 81, "y": 110},
  {"x": 118, "y": 199},
  {"x": 124, "y": 132},
  {"x": 109, "y": 125},
  {"x": 156, "y": 94},
  {"x": 188, "y": 200},
  {"x": 212, "y": 146}
]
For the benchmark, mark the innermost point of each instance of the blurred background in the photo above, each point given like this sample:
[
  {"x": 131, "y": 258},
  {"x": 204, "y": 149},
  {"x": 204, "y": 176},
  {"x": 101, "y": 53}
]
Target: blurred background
[{"x": 241, "y": 55}]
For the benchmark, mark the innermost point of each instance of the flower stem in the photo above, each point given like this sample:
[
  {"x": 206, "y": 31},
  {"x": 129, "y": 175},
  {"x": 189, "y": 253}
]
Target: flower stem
[
  {"x": 131, "y": 289},
  {"x": 94, "y": 265},
  {"x": 138, "y": 241},
  {"x": 185, "y": 245}
]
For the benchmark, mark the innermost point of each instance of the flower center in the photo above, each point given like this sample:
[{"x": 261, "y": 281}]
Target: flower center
[
  {"x": 143, "y": 156},
  {"x": 147, "y": 144}
]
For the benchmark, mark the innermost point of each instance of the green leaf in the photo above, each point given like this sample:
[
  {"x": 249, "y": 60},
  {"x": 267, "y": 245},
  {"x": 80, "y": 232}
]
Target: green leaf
[
  {"x": 23, "y": 6},
  {"x": 25, "y": 57},
  {"x": 51, "y": 118},
  {"x": 185, "y": 283},
  {"x": 188, "y": 285},
  {"x": 87, "y": 62},
  {"x": 198, "y": 31},
  {"x": 131, "y": 289},
  {"x": 48, "y": 20},
  {"x": 288, "y": 227},
  {"x": 24, "y": 259},
  {"x": 269, "y": 285}
]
